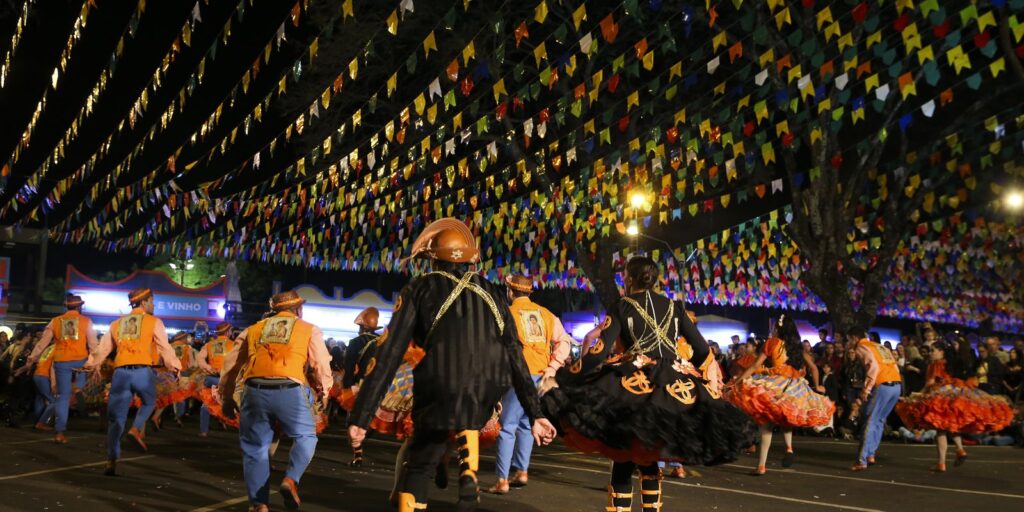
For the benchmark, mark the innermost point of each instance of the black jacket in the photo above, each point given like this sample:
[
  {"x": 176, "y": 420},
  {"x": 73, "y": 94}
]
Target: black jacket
[
  {"x": 359, "y": 348},
  {"x": 470, "y": 361}
]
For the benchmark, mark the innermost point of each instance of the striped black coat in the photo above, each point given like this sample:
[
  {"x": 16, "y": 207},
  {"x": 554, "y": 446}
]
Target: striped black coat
[{"x": 469, "y": 364}]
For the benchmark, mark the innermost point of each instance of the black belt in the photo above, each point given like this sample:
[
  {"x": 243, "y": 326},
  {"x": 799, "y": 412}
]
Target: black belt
[
  {"x": 893, "y": 383},
  {"x": 134, "y": 366},
  {"x": 286, "y": 385}
]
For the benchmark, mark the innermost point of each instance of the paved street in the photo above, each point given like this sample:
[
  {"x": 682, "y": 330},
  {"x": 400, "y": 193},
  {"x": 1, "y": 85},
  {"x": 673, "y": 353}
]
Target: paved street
[{"x": 185, "y": 472}]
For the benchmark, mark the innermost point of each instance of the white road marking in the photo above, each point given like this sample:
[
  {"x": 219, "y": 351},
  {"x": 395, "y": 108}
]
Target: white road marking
[
  {"x": 68, "y": 468},
  {"x": 723, "y": 489},
  {"x": 893, "y": 482},
  {"x": 47, "y": 440},
  {"x": 226, "y": 503}
]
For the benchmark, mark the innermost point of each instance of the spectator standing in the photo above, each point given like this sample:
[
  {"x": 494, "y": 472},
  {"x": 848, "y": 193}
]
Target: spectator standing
[
  {"x": 1012, "y": 379},
  {"x": 990, "y": 371},
  {"x": 995, "y": 348},
  {"x": 914, "y": 370}
]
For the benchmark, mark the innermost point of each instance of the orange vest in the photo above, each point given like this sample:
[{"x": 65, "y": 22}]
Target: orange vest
[
  {"x": 536, "y": 326},
  {"x": 69, "y": 336},
  {"x": 133, "y": 335},
  {"x": 216, "y": 350},
  {"x": 45, "y": 362},
  {"x": 184, "y": 352},
  {"x": 279, "y": 347},
  {"x": 888, "y": 371}
]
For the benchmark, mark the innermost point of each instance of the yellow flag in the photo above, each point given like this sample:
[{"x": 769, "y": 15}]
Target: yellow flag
[
  {"x": 430, "y": 43},
  {"x": 393, "y": 22},
  {"x": 541, "y": 13}
]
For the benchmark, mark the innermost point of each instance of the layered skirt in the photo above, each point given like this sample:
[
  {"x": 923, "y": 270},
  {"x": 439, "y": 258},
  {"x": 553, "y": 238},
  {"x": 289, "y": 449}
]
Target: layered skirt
[
  {"x": 642, "y": 410},
  {"x": 956, "y": 409},
  {"x": 783, "y": 400}
]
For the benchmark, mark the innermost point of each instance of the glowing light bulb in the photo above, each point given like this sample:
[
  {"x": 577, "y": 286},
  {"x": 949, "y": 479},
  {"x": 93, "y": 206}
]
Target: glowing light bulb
[
  {"x": 1014, "y": 200},
  {"x": 637, "y": 199}
]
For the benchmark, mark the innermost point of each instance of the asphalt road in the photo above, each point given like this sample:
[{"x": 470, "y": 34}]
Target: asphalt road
[{"x": 184, "y": 472}]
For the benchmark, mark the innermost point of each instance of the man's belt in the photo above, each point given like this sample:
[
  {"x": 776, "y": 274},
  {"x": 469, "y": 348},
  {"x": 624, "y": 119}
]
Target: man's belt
[
  {"x": 134, "y": 366},
  {"x": 284, "y": 385},
  {"x": 891, "y": 383}
]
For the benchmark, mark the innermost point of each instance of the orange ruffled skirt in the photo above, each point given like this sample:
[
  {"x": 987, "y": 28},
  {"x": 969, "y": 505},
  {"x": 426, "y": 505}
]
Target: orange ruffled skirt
[
  {"x": 955, "y": 409},
  {"x": 782, "y": 400},
  {"x": 170, "y": 389},
  {"x": 211, "y": 399}
]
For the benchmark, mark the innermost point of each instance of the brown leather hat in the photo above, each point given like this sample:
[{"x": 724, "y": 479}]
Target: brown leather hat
[
  {"x": 447, "y": 239},
  {"x": 73, "y": 301},
  {"x": 224, "y": 327},
  {"x": 286, "y": 300},
  {"x": 139, "y": 294},
  {"x": 368, "y": 318},
  {"x": 181, "y": 336},
  {"x": 519, "y": 283}
]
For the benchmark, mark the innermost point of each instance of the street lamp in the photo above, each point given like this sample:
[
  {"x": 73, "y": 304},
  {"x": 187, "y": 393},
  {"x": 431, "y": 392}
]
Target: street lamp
[
  {"x": 633, "y": 229},
  {"x": 182, "y": 266},
  {"x": 637, "y": 199},
  {"x": 1014, "y": 200}
]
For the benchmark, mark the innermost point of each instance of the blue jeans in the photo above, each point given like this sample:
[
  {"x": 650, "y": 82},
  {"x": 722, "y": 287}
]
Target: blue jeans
[
  {"x": 179, "y": 408},
  {"x": 881, "y": 403},
  {"x": 204, "y": 413},
  {"x": 515, "y": 442},
  {"x": 44, "y": 404},
  {"x": 64, "y": 376},
  {"x": 125, "y": 383},
  {"x": 292, "y": 409}
]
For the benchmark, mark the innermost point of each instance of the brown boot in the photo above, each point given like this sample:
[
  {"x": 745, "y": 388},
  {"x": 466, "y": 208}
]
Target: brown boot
[
  {"x": 59, "y": 438},
  {"x": 138, "y": 437},
  {"x": 43, "y": 426},
  {"x": 111, "y": 469},
  {"x": 290, "y": 492},
  {"x": 619, "y": 501},
  {"x": 499, "y": 487},
  {"x": 520, "y": 479}
]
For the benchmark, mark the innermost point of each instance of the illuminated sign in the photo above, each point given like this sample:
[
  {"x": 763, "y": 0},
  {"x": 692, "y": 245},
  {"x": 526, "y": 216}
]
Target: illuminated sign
[{"x": 176, "y": 306}]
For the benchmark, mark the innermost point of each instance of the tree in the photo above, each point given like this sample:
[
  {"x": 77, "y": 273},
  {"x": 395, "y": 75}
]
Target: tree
[{"x": 858, "y": 187}]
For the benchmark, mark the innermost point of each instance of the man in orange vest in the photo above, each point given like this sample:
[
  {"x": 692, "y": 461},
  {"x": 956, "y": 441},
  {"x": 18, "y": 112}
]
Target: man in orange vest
[
  {"x": 139, "y": 338},
  {"x": 277, "y": 354},
  {"x": 211, "y": 360},
  {"x": 882, "y": 389},
  {"x": 545, "y": 347},
  {"x": 74, "y": 338}
]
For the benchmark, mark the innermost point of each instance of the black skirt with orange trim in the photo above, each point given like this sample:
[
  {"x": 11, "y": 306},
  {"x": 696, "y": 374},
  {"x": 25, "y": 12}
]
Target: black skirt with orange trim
[{"x": 643, "y": 410}]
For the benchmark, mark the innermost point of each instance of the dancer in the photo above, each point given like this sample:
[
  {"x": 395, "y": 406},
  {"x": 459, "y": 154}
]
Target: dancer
[
  {"x": 73, "y": 338},
  {"x": 360, "y": 350},
  {"x": 882, "y": 389},
  {"x": 778, "y": 396},
  {"x": 545, "y": 346},
  {"x": 277, "y": 354},
  {"x": 211, "y": 361},
  {"x": 464, "y": 325},
  {"x": 46, "y": 384},
  {"x": 139, "y": 338},
  {"x": 172, "y": 390},
  {"x": 657, "y": 398},
  {"x": 952, "y": 407}
]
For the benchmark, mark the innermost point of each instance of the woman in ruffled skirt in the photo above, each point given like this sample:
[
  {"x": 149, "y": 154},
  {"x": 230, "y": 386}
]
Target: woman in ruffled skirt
[
  {"x": 952, "y": 406},
  {"x": 647, "y": 389},
  {"x": 774, "y": 392}
]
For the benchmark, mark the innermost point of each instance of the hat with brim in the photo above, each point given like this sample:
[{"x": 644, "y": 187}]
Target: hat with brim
[
  {"x": 224, "y": 327},
  {"x": 368, "y": 318},
  {"x": 518, "y": 283},
  {"x": 448, "y": 239},
  {"x": 139, "y": 294},
  {"x": 286, "y": 300},
  {"x": 73, "y": 301},
  {"x": 181, "y": 336}
]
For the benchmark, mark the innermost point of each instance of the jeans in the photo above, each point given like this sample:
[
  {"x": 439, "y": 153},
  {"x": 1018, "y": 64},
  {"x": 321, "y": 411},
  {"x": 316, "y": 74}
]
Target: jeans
[
  {"x": 292, "y": 409},
  {"x": 63, "y": 370},
  {"x": 204, "y": 413},
  {"x": 44, "y": 404},
  {"x": 881, "y": 403},
  {"x": 125, "y": 383},
  {"x": 515, "y": 442}
]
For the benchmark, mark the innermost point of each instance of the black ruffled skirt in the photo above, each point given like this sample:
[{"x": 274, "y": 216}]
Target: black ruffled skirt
[{"x": 642, "y": 410}]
